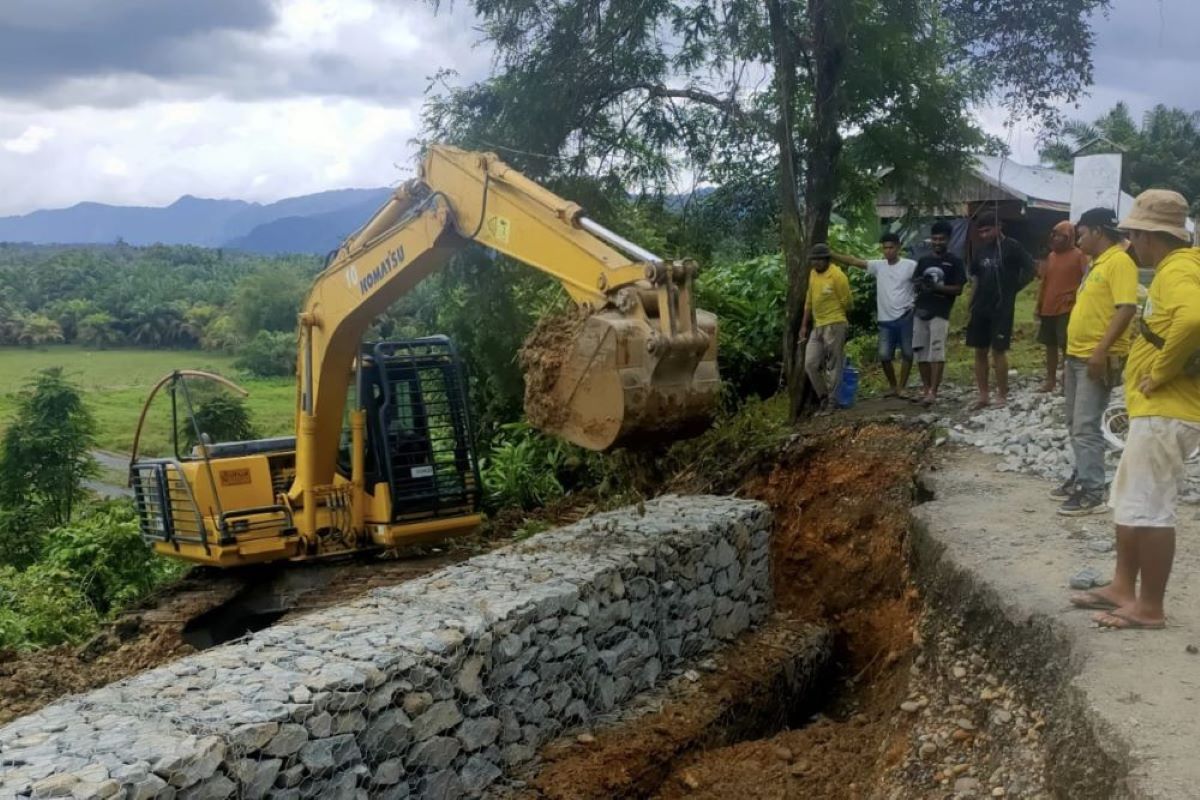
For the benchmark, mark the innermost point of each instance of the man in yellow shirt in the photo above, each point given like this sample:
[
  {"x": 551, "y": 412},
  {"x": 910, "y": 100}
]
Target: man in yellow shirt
[
  {"x": 1098, "y": 338},
  {"x": 826, "y": 303},
  {"x": 1162, "y": 393}
]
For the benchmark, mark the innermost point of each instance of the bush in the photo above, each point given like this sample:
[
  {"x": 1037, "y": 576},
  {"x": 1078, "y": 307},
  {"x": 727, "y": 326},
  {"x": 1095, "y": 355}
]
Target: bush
[
  {"x": 105, "y": 551},
  {"x": 222, "y": 416},
  {"x": 89, "y": 570},
  {"x": 526, "y": 469},
  {"x": 46, "y": 451},
  {"x": 748, "y": 298},
  {"x": 42, "y": 606},
  {"x": 268, "y": 355}
]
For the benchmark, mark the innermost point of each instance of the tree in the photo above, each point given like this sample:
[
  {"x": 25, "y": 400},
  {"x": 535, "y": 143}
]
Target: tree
[
  {"x": 98, "y": 330},
  {"x": 37, "y": 330},
  {"x": 46, "y": 451},
  {"x": 268, "y": 355},
  {"x": 1162, "y": 152},
  {"x": 68, "y": 313},
  {"x": 221, "y": 416},
  {"x": 634, "y": 93},
  {"x": 268, "y": 300}
]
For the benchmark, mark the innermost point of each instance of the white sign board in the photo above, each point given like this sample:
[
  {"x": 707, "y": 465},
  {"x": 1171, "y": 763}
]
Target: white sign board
[{"x": 1097, "y": 184}]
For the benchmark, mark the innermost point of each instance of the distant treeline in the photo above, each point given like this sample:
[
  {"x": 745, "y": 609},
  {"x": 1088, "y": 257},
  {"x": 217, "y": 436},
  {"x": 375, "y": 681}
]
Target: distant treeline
[{"x": 154, "y": 297}]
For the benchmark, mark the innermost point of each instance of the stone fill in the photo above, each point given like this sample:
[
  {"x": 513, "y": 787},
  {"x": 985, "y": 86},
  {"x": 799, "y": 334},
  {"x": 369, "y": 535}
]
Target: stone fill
[{"x": 431, "y": 688}]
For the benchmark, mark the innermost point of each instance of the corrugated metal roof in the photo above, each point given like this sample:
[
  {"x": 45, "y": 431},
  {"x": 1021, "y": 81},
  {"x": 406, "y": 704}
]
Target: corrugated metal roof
[{"x": 1043, "y": 187}]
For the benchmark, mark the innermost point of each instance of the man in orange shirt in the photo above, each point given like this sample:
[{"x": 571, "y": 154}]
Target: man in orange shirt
[{"x": 1061, "y": 274}]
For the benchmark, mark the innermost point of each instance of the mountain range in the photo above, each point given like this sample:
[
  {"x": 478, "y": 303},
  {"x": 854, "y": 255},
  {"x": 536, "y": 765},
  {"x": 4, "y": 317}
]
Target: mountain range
[{"x": 313, "y": 223}]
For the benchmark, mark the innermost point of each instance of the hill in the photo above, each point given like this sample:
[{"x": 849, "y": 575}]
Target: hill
[{"x": 309, "y": 223}]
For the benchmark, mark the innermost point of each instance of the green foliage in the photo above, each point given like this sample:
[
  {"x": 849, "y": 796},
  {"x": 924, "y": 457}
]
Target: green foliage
[
  {"x": 88, "y": 570},
  {"x": 45, "y": 454},
  {"x": 105, "y": 553},
  {"x": 98, "y": 330},
  {"x": 178, "y": 297},
  {"x": 1159, "y": 153},
  {"x": 720, "y": 459},
  {"x": 222, "y": 416},
  {"x": 269, "y": 300},
  {"x": 41, "y": 606},
  {"x": 521, "y": 469},
  {"x": 268, "y": 354},
  {"x": 526, "y": 469},
  {"x": 748, "y": 299},
  {"x": 863, "y": 349}
]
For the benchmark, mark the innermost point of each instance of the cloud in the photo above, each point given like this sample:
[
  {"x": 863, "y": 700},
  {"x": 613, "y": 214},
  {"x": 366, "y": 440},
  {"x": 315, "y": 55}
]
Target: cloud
[
  {"x": 253, "y": 99},
  {"x": 261, "y": 151},
  {"x": 1144, "y": 55},
  {"x": 30, "y": 140},
  {"x": 146, "y": 50}
]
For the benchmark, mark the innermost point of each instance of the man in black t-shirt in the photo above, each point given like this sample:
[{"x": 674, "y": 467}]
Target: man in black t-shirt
[
  {"x": 939, "y": 278},
  {"x": 1000, "y": 268}
]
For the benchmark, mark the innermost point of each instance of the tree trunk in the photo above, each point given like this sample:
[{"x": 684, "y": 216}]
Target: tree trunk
[
  {"x": 790, "y": 224},
  {"x": 824, "y": 140}
]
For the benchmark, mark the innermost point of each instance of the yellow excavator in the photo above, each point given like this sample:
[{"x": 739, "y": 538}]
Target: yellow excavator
[{"x": 383, "y": 453}]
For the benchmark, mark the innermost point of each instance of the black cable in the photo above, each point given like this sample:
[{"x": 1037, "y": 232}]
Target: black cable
[{"x": 487, "y": 179}]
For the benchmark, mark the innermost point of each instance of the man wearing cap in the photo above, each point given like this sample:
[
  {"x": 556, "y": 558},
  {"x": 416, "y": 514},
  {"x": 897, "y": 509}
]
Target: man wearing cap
[
  {"x": 894, "y": 299},
  {"x": 826, "y": 305},
  {"x": 1061, "y": 274},
  {"x": 999, "y": 269},
  {"x": 1098, "y": 337},
  {"x": 1162, "y": 393}
]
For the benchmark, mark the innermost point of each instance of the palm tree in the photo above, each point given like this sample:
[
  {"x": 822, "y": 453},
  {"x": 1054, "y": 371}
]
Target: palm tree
[
  {"x": 1163, "y": 152},
  {"x": 37, "y": 330},
  {"x": 98, "y": 330}
]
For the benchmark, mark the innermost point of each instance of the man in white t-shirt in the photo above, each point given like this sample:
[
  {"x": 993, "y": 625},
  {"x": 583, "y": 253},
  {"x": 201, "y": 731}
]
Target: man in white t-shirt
[{"x": 895, "y": 295}]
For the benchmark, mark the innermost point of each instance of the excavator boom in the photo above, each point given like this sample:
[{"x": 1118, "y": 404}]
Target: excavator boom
[{"x": 642, "y": 360}]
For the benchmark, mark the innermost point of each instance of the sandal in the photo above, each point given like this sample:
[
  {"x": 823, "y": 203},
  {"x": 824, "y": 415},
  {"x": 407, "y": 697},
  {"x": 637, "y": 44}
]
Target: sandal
[{"x": 1120, "y": 622}]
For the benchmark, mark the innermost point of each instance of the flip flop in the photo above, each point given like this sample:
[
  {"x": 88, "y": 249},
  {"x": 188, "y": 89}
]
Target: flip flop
[
  {"x": 1093, "y": 601},
  {"x": 1125, "y": 623},
  {"x": 979, "y": 405}
]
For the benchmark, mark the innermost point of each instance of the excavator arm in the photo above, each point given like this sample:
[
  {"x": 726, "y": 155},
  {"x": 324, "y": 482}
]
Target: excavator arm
[{"x": 634, "y": 300}]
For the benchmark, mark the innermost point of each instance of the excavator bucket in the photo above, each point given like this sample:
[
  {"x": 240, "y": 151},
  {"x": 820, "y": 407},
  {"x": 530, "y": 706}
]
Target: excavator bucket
[{"x": 615, "y": 377}]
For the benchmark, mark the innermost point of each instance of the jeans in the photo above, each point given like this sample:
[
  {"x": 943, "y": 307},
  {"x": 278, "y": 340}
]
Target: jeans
[
  {"x": 823, "y": 359},
  {"x": 1086, "y": 400},
  {"x": 896, "y": 334}
]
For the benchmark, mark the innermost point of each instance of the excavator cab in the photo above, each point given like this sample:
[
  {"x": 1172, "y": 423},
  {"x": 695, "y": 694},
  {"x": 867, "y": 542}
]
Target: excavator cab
[
  {"x": 419, "y": 440},
  {"x": 224, "y": 503}
]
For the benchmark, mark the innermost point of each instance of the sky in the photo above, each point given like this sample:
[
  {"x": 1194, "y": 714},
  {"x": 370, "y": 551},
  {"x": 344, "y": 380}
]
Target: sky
[{"x": 142, "y": 101}]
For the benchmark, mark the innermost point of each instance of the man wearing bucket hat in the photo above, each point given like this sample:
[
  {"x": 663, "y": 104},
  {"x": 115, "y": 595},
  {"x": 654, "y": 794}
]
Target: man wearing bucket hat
[
  {"x": 1162, "y": 393},
  {"x": 826, "y": 304}
]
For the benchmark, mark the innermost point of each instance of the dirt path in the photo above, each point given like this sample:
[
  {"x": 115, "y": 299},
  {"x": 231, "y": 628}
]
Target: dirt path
[{"x": 1116, "y": 699}]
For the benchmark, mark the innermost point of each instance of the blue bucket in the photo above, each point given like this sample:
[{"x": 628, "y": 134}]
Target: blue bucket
[{"x": 847, "y": 391}]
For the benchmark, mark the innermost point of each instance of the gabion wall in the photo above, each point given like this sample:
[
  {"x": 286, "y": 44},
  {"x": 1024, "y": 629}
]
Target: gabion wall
[{"x": 433, "y": 688}]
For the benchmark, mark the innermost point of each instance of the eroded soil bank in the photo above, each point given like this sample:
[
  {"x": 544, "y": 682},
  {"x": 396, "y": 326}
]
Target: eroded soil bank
[{"x": 841, "y": 501}]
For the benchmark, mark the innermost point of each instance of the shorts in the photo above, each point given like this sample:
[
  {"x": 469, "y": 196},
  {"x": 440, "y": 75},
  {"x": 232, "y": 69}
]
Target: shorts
[
  {"x": 990, "y": 329},
  {"x": 1145, "y": 491},
  {"x": 929, "y": 339},
  {"x": 896, "y": 333},
  {"x": 1052, "y": 331}
]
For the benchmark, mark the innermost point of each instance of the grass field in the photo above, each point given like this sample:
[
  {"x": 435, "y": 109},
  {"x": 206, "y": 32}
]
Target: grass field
[
  {"x": 1027, "y": 357},
  {"x": 115, "y": 384}
]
